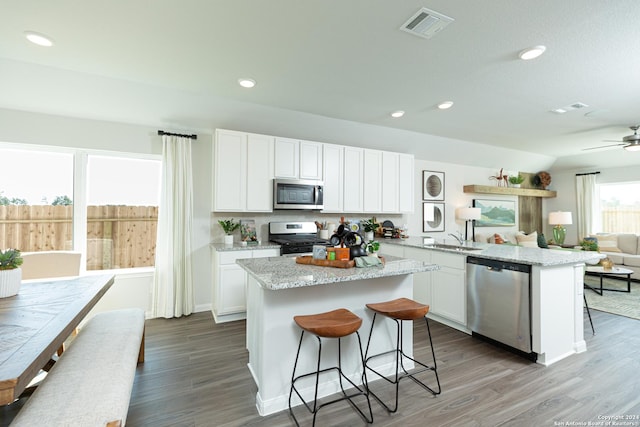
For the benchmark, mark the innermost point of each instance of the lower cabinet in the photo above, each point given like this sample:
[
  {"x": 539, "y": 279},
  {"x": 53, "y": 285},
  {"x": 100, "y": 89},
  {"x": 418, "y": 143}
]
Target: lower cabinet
[
  {"x": 444, "y": 290},
  {"x": 229, "y": 300},
  {"x": 448, "y": 287}
]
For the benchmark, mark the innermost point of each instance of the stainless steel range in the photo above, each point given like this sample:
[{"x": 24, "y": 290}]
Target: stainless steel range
[{"x": 295, "y": 237}]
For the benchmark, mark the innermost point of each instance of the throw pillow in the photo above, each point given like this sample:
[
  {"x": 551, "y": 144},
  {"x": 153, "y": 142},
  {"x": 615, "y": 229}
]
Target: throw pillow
[
  {"x": 608, "y": 243},
  {"x": 527, "y": 240}
]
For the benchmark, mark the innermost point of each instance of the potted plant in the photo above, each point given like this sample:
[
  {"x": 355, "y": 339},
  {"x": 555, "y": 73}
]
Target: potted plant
[
  {"x": 10, "y": 272},
  {"x": 515, "y": 181},
  {"x": 229, "y": 226},
  {"x": 370, "y": 226},
  {"x": 373, "y": 247}
]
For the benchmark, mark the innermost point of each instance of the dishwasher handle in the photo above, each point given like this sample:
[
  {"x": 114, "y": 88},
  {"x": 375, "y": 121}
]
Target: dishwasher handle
[{"x": 498, "y": 266}]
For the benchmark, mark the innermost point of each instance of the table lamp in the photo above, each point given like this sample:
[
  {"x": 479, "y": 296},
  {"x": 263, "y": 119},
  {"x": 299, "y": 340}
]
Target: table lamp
[
  {"x": 468, "y": 215},
  {"x": 559, "y": 220}
]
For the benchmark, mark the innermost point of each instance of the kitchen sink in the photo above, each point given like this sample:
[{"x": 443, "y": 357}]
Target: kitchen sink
[{"x": 454, "y": 247}]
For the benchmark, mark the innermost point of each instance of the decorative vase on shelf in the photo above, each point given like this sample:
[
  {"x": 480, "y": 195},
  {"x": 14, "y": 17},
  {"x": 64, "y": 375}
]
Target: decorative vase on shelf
[
  {"x": 10, "y": 281},
  {"x": 228, "y": 239},
  {"x": 368, "y": 236},
  {"x": 515, "y": 185}
]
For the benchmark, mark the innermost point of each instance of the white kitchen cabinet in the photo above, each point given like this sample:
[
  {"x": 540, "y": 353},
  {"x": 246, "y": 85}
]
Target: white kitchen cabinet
[
  {"x": 353, "y": 178},
  {"x": 230, "y": 283},
  {"x": 296, "y": 159},
  {"x": 422, "y": 282},
  {"x": 243, "y": 172},
  {"x": 311, "y": 160},
  {"x": 286, "y": 160},
  {"x": 390, "y": 182},
  {"x": 230, "y": 171},
  {"x": 405, "y": 183},
  {"x": 372, "y": 184},
  {"x": 333, "y": 171},
  {"x": 448, "y": 288},
  {"x": 259, "y": 176}
]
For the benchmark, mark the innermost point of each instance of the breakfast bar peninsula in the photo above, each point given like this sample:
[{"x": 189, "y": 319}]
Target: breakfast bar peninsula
[{"x": 279, "y": 289}]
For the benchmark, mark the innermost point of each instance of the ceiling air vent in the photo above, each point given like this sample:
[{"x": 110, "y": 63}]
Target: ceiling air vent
[{"x": 426, "y": 23}]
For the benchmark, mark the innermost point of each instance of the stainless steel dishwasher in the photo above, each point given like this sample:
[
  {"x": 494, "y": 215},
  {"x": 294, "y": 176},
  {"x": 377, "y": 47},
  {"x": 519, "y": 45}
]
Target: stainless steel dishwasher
[{"x": 498, "y": 303}]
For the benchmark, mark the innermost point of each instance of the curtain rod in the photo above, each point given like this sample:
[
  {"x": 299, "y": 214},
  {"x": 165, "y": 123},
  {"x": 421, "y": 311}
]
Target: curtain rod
[
  {"x": 587, "y": 173},
  {"x": 194, "y": 136}
]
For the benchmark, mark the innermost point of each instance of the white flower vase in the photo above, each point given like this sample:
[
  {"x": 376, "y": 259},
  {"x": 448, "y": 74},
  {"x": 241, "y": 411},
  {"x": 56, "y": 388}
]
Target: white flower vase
[
  {"x": 10, "y": 281},
  {"x": 515, "y": 185},
  {"x": 368, "y": 236},
  {"x": 228, "y": 239}
]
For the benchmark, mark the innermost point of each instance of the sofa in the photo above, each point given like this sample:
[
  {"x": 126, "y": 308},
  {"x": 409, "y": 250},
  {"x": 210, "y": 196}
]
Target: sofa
[{"x": 621, "y": 248}]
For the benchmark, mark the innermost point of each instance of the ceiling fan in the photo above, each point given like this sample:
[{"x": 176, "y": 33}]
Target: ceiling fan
[{"x": 630, "y": 142}]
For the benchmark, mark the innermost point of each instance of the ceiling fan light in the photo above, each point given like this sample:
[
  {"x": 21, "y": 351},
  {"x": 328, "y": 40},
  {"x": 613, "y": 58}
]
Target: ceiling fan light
[{"x": 634, "y": 146}]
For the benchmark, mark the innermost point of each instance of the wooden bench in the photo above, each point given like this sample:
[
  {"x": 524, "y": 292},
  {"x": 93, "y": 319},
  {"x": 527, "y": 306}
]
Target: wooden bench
[{"x": 91, "y": 383}]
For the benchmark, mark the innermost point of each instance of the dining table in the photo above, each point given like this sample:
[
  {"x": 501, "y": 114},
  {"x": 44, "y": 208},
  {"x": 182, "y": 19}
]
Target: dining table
[{"x": 37, "y": 321}]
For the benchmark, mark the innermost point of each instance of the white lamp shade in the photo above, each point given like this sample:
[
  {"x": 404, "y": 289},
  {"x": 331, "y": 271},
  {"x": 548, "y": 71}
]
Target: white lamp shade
[
  {"x": 468, "y": 213},
  {"x": 560, "y": 218}
]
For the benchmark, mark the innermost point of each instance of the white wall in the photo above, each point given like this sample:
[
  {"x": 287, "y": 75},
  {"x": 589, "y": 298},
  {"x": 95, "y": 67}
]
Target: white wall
[{"x": 456, "y": 177}]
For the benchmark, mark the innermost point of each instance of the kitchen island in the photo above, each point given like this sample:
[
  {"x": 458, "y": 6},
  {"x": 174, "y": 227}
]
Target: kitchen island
[
  {"x": 279, "y": 289},
  {"x": 556, "y": 289}
]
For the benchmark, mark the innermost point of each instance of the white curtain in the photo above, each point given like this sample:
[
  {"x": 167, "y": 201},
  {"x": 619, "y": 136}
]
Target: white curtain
[
  {"x": 587, "y": 207},
  {"x": 173, "y": 284}
]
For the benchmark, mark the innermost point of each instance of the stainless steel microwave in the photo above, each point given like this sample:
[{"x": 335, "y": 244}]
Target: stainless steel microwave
[{"x": 297, "y": 194}]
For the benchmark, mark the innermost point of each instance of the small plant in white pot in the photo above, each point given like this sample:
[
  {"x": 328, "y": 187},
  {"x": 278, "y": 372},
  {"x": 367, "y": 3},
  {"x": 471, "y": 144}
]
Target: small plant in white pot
[
  {"x": 10, "y": 272},
  {"x": 229, "y": 226},
  {"x": 516, "y": 180},
  {"x": 370, "y": 226},
  {"x": 373, "y": 247}
]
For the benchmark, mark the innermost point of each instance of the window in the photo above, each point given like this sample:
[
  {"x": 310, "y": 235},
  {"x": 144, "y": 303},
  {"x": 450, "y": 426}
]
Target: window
[
  {"x": 620, "y": 207},
  {"x": 35, "y": 200},
  {"x": 123, "y": 196},
  {"x": 113, "y": 208}
]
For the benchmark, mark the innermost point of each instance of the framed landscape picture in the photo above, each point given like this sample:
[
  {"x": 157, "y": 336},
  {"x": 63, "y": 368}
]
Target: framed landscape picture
[
  {"x": 437, "y": 224},
  {"x": 495, "y": 213},
  {"x": 432, "y": 186}
]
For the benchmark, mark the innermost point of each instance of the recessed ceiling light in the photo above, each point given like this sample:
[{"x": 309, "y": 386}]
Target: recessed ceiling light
[
  {"x": 397, "y": 114},
  {"x": 39, "y": 39},
  {"x": 248, "y": 83},
  {"x": 559, "y": 111},
  {"x": 532, "y": 52},
  {"x": 445, "y": 105}
]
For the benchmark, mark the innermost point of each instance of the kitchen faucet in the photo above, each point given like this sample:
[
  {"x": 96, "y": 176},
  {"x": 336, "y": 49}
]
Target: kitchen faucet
[{"x": 458, "y": 237}]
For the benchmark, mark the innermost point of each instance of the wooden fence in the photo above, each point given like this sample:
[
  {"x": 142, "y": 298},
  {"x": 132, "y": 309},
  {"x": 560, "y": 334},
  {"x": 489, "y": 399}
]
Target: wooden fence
[
  {"x": 117, "y": 236},
  {"x": 621, "y": 220}
]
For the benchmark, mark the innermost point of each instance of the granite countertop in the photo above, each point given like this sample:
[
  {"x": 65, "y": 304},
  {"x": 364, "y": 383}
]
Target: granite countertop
[
  {"x": 221, "y": 247},
  {"x": 277, "y": 273},
  {"x": 509, "y": 253}
]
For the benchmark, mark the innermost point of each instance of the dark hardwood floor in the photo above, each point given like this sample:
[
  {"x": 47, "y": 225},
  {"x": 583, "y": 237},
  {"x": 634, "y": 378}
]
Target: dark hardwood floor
[{"x": 195, "y": 374}]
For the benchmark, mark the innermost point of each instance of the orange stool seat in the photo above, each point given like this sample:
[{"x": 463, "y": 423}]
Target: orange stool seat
[
  {"x": 401, "y": 309},
  {"x": 332, "y": 324}
]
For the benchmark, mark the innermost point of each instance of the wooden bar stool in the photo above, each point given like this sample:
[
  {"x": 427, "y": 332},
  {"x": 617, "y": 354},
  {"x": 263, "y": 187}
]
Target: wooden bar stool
[
  {"x": 398, "y": 310},
  {"x": 333, "y": 324}
]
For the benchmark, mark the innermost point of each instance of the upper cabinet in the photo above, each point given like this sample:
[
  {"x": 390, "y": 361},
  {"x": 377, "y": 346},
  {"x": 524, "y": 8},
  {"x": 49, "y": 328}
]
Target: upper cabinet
[
  {"x": 242, "y": 172},
  {"x": 333, "y": 171},
  {"x": 372, "y": 182},
  {"x": 296, "y": 159},
  {"x": 353, "y": 179},
  {"x": 356, "y": 180}
]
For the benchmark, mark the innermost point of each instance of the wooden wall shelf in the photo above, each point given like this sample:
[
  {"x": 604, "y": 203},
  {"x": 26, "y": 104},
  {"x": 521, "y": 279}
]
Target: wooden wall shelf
[{"x": 509, "y": 191}]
